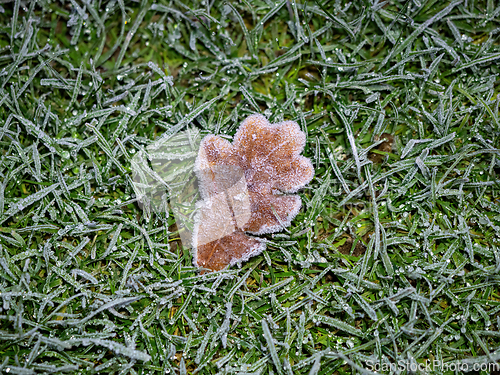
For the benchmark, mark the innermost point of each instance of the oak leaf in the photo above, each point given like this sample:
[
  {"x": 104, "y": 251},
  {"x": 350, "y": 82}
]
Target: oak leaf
[{"x": 245, "y": 187}]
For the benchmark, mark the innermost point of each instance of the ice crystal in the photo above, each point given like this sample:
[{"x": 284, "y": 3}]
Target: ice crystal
[{"x": 243, "y": 187}]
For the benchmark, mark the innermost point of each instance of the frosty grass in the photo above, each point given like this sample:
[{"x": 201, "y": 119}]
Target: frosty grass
[{"x": 394, "y": 257}]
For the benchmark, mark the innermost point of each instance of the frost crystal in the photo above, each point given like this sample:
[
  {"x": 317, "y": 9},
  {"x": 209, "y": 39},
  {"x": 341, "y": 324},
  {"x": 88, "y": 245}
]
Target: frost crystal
[{"x": 242, "y": 185}]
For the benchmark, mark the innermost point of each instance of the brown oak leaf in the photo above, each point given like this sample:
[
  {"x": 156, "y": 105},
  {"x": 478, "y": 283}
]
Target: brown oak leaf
[{"x": 245, "y": 187}]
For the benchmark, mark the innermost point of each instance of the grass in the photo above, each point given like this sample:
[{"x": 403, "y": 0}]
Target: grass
[{"x": 394, "y": 258}]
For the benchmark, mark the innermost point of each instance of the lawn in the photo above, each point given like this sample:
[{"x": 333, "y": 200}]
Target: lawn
[{"x": 392, "y": 264}]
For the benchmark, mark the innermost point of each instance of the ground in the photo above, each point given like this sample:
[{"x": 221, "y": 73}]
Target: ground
[{"x": 394, "y": 257}]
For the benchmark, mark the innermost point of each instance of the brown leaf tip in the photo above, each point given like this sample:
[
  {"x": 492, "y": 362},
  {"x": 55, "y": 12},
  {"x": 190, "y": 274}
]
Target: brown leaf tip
[{"x": 242, "y": 185}]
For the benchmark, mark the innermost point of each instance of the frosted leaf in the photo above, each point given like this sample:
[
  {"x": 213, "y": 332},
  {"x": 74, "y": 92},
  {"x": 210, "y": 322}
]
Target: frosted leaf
[{"x": 242, "y": 185}]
